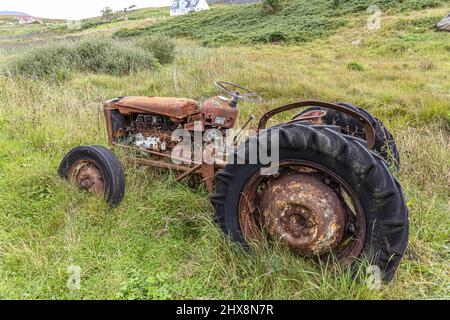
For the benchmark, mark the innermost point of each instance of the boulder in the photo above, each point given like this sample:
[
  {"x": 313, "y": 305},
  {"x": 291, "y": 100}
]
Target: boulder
[{"x": 444, "y": 24}]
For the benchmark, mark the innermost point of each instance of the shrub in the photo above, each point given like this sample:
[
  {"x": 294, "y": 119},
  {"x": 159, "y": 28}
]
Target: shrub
[
  {"x": 57, "y": 61},
  {"x": 272, "y": 6},
  {"x": 125, "y": 33},
  {"x": 162, "y": 47},
  {"x": 87, "y": 24},
  {"x": 52, "y": 61},
  {"x": 272, "y": 37},
  {"x": 105, "y": 56},
  {"x": 355, "y": 66},
  {"x": 126, "y": 60},
  {"x": 418, "y": 25}
]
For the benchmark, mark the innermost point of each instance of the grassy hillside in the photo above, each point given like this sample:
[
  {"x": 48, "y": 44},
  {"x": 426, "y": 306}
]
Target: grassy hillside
[
  {"x": 13, "y": 18},
  {"x": 7, "y": 18},
  {"x": 59, "y": 30},
  {"x": 298, "y": 21},
  {"x": 160, "y": 242}
]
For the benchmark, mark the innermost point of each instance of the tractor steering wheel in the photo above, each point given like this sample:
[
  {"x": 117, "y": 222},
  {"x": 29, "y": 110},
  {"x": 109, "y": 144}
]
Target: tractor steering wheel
[{"x": 235, "y": 90}]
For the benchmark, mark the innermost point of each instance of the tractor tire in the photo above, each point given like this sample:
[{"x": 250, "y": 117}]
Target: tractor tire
[
  {"x": 97, "y": 170},
  {"x": 385, "y": 144},
  {"x": 378, "y": 193}
]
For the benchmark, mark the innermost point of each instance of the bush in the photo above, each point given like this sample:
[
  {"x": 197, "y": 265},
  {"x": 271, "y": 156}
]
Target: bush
[
  {"x": 57, "y": 61},
  {"x": 87, "y": 24},
  {"x": 162, "y": 47},
  {"x": 104, "y": 56},
  {"x": 272, "y": 6},
  {"x": 125, "y": 33},
  {"x": 355, "y": 66},
  {"x": 52, "y": 61},
  {"x": 418, "y": 25},
  {"x": 271, "y": 37}
]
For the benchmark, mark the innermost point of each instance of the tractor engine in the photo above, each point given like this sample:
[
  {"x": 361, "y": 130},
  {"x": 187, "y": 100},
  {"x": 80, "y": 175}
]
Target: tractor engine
[
  {"x": 148, "y": 122},
  {"x": 149, "y": 132}
]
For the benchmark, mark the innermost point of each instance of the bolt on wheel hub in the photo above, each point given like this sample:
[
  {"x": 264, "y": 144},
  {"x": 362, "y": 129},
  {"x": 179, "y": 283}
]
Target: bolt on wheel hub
[{"x": 304, "y": 213}]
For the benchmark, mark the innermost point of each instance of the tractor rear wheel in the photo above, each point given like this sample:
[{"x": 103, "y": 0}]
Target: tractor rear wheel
[
  {"x": 385, "y": 144},
  {"x": 96, "y": 170},
  {"x": 331, "y": 197}
]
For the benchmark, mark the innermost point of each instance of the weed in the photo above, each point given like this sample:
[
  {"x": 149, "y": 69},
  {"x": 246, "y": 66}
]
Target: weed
[{"x": 140, "y": 287}]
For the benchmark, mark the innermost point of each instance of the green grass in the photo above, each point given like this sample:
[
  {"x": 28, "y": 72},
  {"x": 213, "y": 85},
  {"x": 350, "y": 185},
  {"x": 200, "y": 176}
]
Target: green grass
[
  {"x": 160, "y": 242},
  {"x": 147, "y": 13},
  {"x": 120, "y": 18},
  {"x": 298, "y": 21},
  {"x": 12, "y": 18}
]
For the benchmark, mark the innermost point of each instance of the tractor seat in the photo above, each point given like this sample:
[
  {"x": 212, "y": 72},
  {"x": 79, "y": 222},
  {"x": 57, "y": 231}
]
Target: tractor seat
[{"x": 174, "y": 108}]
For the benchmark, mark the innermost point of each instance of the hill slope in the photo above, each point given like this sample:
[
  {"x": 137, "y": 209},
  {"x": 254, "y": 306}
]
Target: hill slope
[{"x": 298, "y": 21}]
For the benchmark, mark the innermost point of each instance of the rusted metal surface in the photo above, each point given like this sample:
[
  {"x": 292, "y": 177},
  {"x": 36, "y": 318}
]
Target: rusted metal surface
[
  {"x": 87, "y": 176},
  {"x": 109, "y": 129},
  {"x": 176, "y": 109},
  {"x": 237, "y": 136},
  {"x": 160, "y": 164},
  {"x": 307, "y": 207},
  {"x": 208, "y": 173},
  {"x": 206, "y": 170},
  {"x": 315, "y": 117},
  {"x": 150, "y": 152},
  {"x": 218, "y": 112},
  {"x": 187, "y": 173},
  {"x": 304, "y": 213},
  {"x": 370, "y": 131},
  {"x": 194, "y": 126},
  {"x": 195, "y": 122}
]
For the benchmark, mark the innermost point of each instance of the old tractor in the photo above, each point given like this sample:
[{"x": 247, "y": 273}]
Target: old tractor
[{"x": 332, "y": 193}]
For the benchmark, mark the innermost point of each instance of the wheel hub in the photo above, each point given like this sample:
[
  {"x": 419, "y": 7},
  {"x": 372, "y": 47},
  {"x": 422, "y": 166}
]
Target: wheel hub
[
  {"x": 88, "y": 177},
  {"x": 304, "y": 213}
]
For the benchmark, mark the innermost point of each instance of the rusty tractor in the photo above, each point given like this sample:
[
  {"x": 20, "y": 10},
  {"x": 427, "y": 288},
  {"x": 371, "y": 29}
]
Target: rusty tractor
[{"x": 332, "y": 196}]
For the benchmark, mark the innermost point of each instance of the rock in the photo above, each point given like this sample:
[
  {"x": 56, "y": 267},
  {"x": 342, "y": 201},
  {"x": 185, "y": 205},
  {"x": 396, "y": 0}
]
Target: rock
[
  {"x": 444, "y": 24},
  {"x": 356, "y": 42}
]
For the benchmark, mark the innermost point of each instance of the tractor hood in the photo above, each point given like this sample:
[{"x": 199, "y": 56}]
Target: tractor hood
[{"x": 174, "y": 108}]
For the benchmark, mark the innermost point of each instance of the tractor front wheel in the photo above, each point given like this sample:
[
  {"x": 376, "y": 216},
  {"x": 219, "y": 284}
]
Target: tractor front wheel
[{"x": 96, "y": 170}]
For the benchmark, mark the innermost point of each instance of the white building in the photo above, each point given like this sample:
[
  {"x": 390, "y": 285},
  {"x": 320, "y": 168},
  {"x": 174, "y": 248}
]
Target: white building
[
  {"x": 28, "y": 20},
  {"x": 180, "y": 7}
]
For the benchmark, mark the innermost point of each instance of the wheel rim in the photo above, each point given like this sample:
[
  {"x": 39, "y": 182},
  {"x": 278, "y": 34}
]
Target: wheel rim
[
  {"x": 306, "y": 206},
  {"x": 87, "y": 176}
]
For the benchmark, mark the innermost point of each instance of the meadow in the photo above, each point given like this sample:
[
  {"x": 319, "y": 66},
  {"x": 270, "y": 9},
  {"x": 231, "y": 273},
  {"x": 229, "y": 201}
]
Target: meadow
[{"x": 161, "y": 243}]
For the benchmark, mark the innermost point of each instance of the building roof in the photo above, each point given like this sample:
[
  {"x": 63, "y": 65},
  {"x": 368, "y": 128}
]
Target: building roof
[
  {"x": 181, "y": 4},
  {"x": 28, "y": 19}
]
